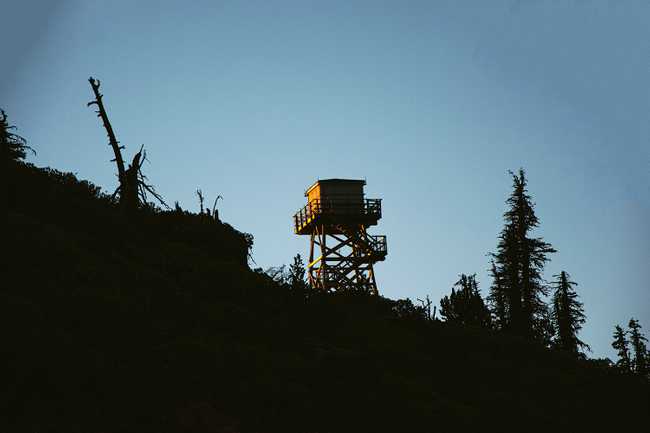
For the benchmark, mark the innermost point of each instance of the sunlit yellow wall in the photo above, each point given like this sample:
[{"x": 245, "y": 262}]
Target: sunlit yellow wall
[{"x": 342, "y": 191}]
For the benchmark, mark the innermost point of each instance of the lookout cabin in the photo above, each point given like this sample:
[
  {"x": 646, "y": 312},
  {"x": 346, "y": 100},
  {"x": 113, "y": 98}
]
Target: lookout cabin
[{"x": 336, "y": 202}]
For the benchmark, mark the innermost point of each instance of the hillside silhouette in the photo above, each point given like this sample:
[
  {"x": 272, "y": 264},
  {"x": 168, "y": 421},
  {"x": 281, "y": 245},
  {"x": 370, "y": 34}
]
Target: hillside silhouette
[{"x": 154, "y": 321}]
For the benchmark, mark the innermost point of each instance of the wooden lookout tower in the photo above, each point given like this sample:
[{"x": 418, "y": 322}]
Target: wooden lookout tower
[{"x": 341, "y": 253}]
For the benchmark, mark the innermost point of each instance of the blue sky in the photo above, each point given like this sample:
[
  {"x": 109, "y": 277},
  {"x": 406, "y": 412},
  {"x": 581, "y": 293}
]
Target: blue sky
[{"x": 431, "y": 102}]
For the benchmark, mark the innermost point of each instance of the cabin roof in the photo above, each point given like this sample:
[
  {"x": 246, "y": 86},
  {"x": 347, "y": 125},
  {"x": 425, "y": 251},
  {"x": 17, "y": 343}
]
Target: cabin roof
[{"x": 333, "y": 181}]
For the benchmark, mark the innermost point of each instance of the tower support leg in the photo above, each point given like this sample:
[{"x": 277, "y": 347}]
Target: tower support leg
[{"x": 345, "y": 263}]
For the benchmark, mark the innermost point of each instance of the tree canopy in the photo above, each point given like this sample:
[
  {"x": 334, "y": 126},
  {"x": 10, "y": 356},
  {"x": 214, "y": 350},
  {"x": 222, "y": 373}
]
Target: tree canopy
[{"x": 465, "y": 306}]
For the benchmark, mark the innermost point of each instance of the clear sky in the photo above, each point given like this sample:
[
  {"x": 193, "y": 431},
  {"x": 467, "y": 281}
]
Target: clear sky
[{"x": 431, "y": 102}]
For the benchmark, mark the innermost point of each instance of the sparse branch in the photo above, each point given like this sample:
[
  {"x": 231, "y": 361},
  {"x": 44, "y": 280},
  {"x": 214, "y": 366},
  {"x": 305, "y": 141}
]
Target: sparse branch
[
  {"x": 143, "y": 186},
  {"x": 426, "y": 306}
]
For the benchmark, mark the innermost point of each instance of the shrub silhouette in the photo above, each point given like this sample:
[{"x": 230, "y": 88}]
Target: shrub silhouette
[{"x": 465, "y": 307}]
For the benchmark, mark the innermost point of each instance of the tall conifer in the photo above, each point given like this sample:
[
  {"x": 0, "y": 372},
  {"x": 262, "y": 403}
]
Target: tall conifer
[
  {"x": 520, "y": 260},
  {"x": 567, "y": 314},
  {"x": 640, "y": 362},
  {"x": 621, "y": 344},
  {"x": 497, "y": 300}
]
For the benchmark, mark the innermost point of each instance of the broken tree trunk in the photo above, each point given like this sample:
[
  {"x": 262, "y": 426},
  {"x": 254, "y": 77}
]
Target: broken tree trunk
[
  {"x": 127, "y": 178},
  {"x": 109, "y": 129},
  {"x": 129, "y": 193},
  {"x": 133, "y": 187}
]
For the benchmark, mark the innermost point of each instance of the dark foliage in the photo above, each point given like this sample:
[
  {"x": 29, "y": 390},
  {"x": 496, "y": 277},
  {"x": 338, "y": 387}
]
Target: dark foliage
[
  {"x": 622, "y": 346},
  {"x": 13, "y": 150},
  {"x": 425, "y": 304},
  {"x": 519, "y": 262},
  {"x": 465, "y": 306},
  {"x": 291, "y": 278},
  {"x": 59, "y": 198},
  {"x": 567, "y": 314},
  {"x": 407, "y": 311},
  {"x": 497, "y": 301},
  {"x": 638, "y": 340},
  {"x": 297, "y": 280},
  {"x": 14, "y": 147}
]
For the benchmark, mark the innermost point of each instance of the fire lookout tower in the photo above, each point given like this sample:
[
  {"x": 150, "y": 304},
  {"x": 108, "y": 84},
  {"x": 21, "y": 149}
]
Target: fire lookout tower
[{"x": 341, "y": 252}]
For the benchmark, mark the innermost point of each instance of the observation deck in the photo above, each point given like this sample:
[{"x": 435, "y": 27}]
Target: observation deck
[
  {"x": 337, "y": 204},
  {"x": 340, "y": 211}
]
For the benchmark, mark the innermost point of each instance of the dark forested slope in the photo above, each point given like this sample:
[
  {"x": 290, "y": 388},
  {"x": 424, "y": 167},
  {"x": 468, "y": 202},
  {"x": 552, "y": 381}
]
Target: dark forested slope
[{"x": 156, "y": 323}]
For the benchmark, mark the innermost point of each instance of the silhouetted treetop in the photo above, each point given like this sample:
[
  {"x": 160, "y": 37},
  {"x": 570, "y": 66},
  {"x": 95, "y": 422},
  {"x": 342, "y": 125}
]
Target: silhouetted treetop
[
  {"x": 518, "y": 288},
  {"x": 297, "y": 278},
  {"x": 464, "y": 306},
  {"x": 14, "y": 147},
  {"x": 621, "y": 344},
  {"x": 638, "y": 340},
  {"x": 567, "y": 314}
]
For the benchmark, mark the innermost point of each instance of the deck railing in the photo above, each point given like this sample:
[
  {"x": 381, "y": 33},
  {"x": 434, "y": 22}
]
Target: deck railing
[
  {"x": 370, "y": 207},
  {"x": 378, "y": 244}
]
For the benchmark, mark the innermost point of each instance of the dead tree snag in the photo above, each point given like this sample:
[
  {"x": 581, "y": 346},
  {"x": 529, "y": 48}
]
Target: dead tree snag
[{"x": 133, "y": 188}]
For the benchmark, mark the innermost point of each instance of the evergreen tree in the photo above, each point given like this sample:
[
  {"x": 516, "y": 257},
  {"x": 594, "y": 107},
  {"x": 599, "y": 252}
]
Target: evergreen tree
[
  {"x": 465, "y": 305},
  {"x": 621, "y": 344},
  {"x": 296, "y": 278},
  {"x": 497, "y": 300},
  {"x": 14, "y": 147},
  {"x": 544, "y": 329},
  {"x": 520, "y": 260},
  {"x": 567, "y": 315},
  {"x": 640, "y": 362}
]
